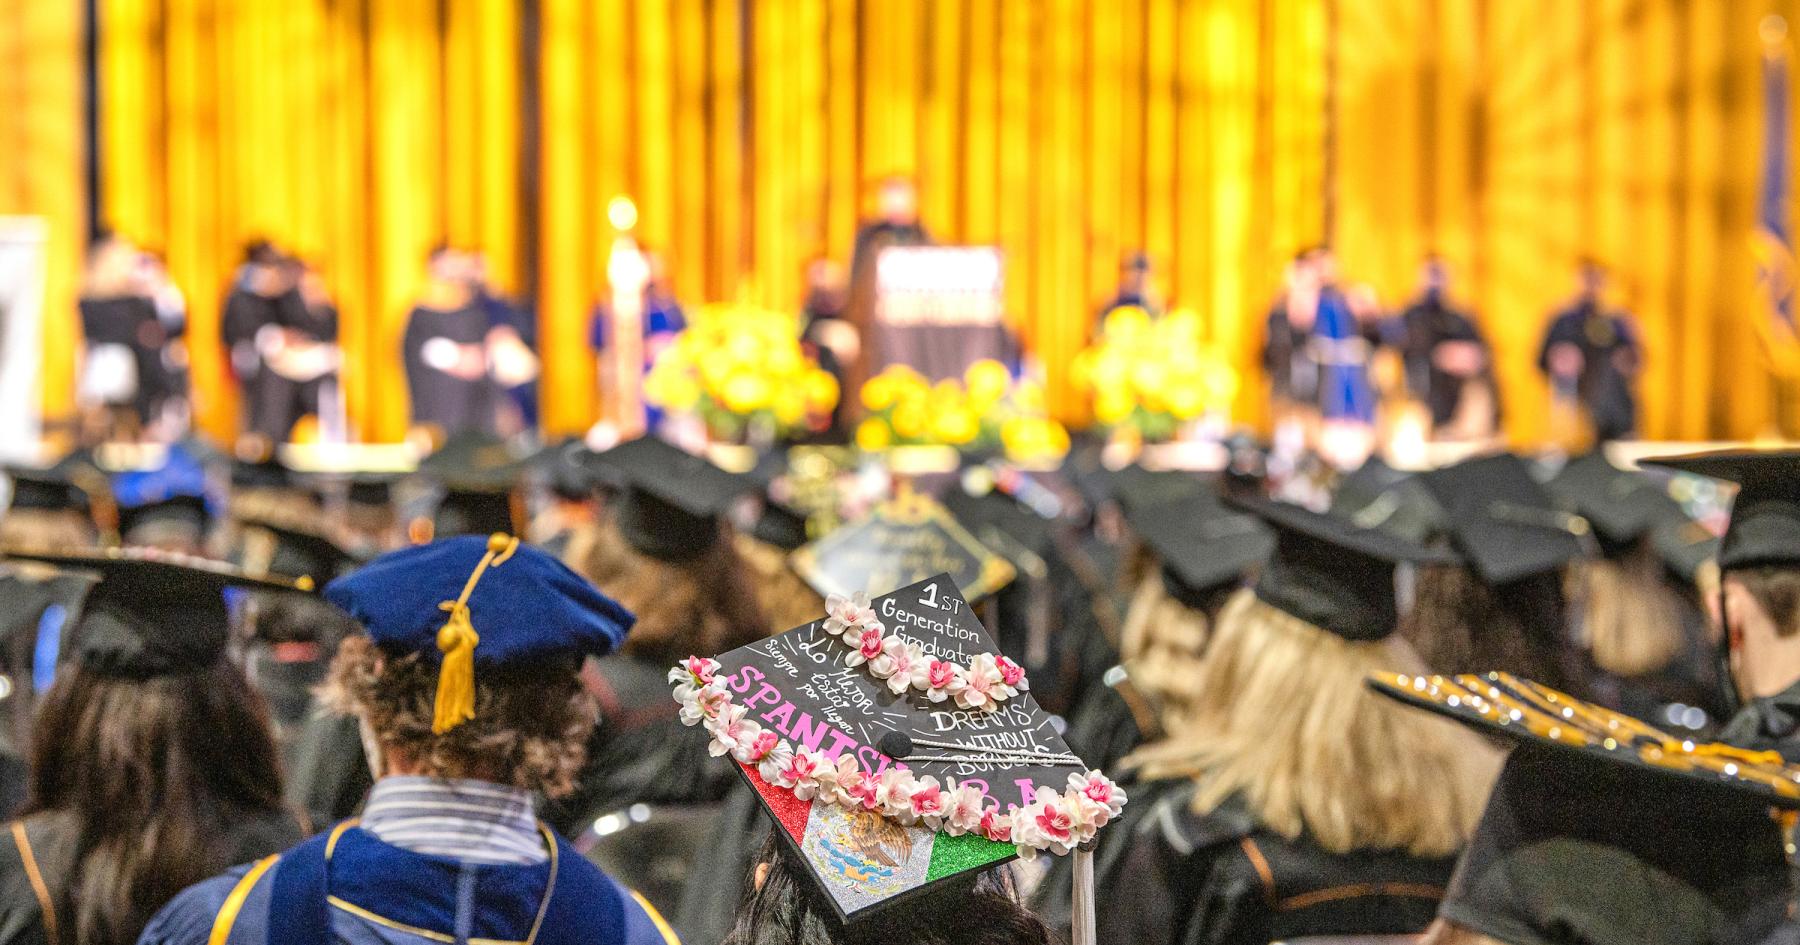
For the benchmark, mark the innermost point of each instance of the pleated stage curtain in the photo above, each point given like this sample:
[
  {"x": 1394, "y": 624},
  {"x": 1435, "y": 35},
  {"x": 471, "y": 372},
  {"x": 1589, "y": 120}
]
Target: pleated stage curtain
[
  {"x": 1519, "y": 137},
  {"x": 1220, "y": 135},
  {"x": 41, "y": 169},
  {"x": 358, "y": 133}
]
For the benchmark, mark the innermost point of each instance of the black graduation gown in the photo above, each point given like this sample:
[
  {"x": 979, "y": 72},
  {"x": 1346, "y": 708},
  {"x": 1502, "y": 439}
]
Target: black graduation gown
[
  {"x": 329, "y": 776},
  {"x": 1602, "y": 387},
  {"x": 24, "y": 600},
  {"x": 1425, "y": 325},
  {"x": 1222, "y": 879},
  {"x": 1771, "y": 723},
  {"x": 274, "y": 403},
  {"x": 51, "y": 838},
  {"x": 450, "y": 403},
  {"x": 131, "y": 321},
  {"x": 640, "y": 753}
]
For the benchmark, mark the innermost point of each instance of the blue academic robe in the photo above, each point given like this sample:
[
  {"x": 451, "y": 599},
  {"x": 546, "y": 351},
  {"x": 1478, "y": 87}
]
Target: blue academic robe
[
  {"x": 347, "y": 886},
  {"x": 1344, "y": 389}
]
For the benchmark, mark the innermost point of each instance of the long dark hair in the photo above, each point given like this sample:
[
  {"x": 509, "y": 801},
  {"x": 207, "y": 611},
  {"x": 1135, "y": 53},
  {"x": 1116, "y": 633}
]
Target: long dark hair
[
  {"x": 151, "y": 771},
  {"x": 788, "y": 909},
  {"x": 1458, "y": 624}
]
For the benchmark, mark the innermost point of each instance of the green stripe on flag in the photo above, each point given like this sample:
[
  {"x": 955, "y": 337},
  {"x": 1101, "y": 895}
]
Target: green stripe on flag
[{"x": 952, "y": 855}]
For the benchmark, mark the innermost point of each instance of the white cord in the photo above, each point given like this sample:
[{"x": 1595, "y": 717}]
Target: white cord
[{"x": 1082, "y": 899}]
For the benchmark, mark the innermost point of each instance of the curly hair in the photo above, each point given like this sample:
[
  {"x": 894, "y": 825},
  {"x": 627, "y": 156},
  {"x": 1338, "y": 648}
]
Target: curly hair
[
  {"x": 706, "y": 605},
  {"x": 530, "y": 728}
]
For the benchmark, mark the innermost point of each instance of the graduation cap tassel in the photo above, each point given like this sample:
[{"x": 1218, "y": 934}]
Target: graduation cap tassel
[
  {"x": 455, "y": 702},
  {"x": 1082, "y": 899}
]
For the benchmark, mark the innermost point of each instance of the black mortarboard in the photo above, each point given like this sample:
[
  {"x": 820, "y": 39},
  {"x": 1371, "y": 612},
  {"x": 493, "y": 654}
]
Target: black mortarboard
[
  {"x": 305, "y": 553},
  {"x": 868, "y": 858},
  {"x": 1623, "y": 506},
  {"x": 777, "y": 524},
  {"x": 372, "y": 490},
  {"x": 474, "y": 461},
  {"x": 1332, "y": 574},
  {"x": 186, "y": 512},
  {"x": 1377, "y": 495},
  {"x": 669, "y": 500},
  {"x": 1502, "y": 520},
  {"x": 154, "y": 613},
  {"x": 1605, "y": 831},
  {"x": 264, "y": 473},
  {"x": 1765, "y": 517},
  {"x": 565, "y": 471},
  {"x": 1684, "y": 545},
  {"x": 901, "y": 542},
  {"x": 1203, "y": 545},
  {"x": 46, "y": 490},
  {"x": 1135, "y": 486},
  {"x": 995, "y": 513},
  {"x": 473, "y": 512},
  {"x": 479, "y": 472}
]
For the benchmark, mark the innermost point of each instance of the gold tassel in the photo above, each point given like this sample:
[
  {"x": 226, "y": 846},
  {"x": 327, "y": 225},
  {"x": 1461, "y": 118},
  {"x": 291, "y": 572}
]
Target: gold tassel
[{"x": 457, "y": 639}]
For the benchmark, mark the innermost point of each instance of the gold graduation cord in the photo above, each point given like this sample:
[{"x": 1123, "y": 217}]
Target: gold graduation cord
[
  {"x": 457, "y": 640},
  {"x": 1653, "y": 745}
]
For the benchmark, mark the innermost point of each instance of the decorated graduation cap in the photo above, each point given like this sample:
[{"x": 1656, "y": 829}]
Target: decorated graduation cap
[
  {"x": 1377, "y": 495},
  {"x": 894, "y": 747},
  {"x": 669, "y": 501},
  {"x": 1204, "y": 546},
  {"x": 1680, "y": 833},
  {"x": 1332, "y": 574},
  {"x": 902, "y": 541},
  {"x": 1765, "y": 517},
  {"x": 471, "y": 603},
  {"x": 1502, "y": 520},
  {"x": 154, "y": 613}
]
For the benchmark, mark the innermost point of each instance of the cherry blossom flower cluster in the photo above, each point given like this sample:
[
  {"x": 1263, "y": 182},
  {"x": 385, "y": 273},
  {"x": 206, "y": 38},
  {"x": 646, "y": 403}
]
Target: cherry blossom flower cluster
[
  {"x": 1053, "y": 822},
  {"x": 989, "y": 680}
]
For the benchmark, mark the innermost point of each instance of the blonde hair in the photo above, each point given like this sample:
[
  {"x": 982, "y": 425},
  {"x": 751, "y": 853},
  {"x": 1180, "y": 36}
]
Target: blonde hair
[
  {"x": 699, "y": 607},
  {"x": 1285, "y": 722},
  {"x": 1631, "y": 616},
  {"x": 45, "y": 529},
  {"x": 1162, "y": 645},
  {"x": 785, "y": 599}
]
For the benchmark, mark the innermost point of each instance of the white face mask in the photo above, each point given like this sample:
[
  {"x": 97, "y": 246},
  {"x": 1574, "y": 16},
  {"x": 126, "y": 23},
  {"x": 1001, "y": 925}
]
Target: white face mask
[{"x": 371, "y": 747}]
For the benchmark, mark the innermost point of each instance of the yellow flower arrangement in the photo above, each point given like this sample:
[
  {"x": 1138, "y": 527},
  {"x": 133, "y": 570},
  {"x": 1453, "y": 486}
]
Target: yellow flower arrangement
[
  {"x": 1151, "y": 375},
  {"x": 984, "y": 409},
  {"x": 741, "y": 369}
]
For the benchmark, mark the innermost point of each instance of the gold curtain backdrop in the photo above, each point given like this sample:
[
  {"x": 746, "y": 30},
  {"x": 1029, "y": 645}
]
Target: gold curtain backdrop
[{"x": 1220, "y": 135}]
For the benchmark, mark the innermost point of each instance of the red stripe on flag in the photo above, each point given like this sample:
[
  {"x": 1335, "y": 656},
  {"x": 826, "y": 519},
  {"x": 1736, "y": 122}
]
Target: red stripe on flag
[{"x": 789, "y": 810}]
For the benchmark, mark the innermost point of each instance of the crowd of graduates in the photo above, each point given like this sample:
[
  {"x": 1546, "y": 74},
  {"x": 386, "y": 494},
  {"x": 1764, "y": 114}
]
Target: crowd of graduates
[{"x": 1276, "y": 688}]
